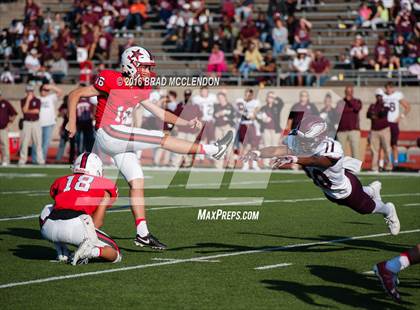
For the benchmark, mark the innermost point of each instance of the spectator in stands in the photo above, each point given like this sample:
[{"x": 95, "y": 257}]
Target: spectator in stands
[
  {"x": 49, "y": 96},
  {"x": 32, "y": 64},
  {"x": 398, "y": 51},
  {"x": 31, "y": 129},
  {"x": 270, "y": 68},
  {"x": 249, "y": 133},
  {"x": 380, "y": 134},
  {"x": 101, "y": 45},
  {"x": 302, "y": 37},
  {"x": 275, "y": 8},
  {"x": 381, "y": 16},
  {"x": 7, "y": 76},
  {"x": 411, "y": 53},
  {"x": 43, "y": 76},
  {"x": 404, "y": 24},
  {"x": 64, "y": 137},
  {"x": 382, "y": 54},
  {"x": 166, "y": 8},
  {"x": 349, "y": 128},
  {"x": 228, "y": 9},
  {"x": 320, "y": 67},
  {"x": 32, "y": 11},
  {"x": 7, "y": 117},
  {"x": 280, "y": 37},
  {"x": 59, "y": 68},
  {"x": 329, "y": 114},
  {"x": 263, "y": 27},
  {"x": 299, "y": 109},
  {"x": 217, "y": 62},
  {"x": 363, "y": 17},
  {"x": 138, "y": 14},
  {"x": 224, "y": 121},
  {"x": 252, "y": 62},
  {"x": 301, "y": 64},
  {"x": 243, "y": 9},
  {"x": 359, "y": 53},
  {"x": 269, "y": 116},
  {"x": 249, "y": 32},
  {"x": 395, "y": 100}
]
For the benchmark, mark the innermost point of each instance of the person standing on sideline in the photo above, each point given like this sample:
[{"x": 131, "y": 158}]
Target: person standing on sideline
[
  {"x": 349, "y": 128},
  {"x": 269, "y": 116},
  {"x": 7, "y": 116},
  {"x": 31, "y": 130},
  {"x": 393, "y": 99},
  {"x": 47, "y": 115},
  {"x": 380, "y": 133}
]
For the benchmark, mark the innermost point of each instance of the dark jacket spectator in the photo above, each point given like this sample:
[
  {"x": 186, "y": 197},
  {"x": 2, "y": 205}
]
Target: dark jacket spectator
[{"x": 7, "y": 116}]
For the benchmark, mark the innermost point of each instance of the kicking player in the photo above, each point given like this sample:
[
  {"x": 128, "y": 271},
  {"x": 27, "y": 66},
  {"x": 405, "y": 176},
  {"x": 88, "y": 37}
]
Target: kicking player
[
  {"x": 323, "y": 160},
  {"x": 80, "y": 202},
  {"x": 387, "y": 271},
  {"x": 116, "y": 136}
]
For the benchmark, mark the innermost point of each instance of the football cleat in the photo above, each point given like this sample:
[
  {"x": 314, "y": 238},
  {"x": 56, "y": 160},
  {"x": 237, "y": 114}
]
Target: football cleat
[
  {"x": 223, "y": 145},
  {"x": 376, "y": 187},
  {"x": 149, "y": 241},
  {"x": 392, "y": 220},
  {"x": 84, "y": 251},
  {"x": 388, "y": 279}
]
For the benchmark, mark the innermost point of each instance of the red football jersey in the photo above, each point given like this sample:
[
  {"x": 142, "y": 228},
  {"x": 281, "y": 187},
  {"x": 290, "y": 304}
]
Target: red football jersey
[
  {"x": 118, "y": 98},
  {"x": 81, "y": 192}
]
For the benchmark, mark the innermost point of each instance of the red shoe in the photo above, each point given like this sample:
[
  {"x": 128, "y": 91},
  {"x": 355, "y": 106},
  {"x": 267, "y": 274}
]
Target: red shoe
[{"x": 388, "y": 279}]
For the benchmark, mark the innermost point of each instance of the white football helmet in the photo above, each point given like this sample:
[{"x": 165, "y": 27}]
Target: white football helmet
[
  {"x": 88, "y": 163},
  {"x": 133, "y": 57}
]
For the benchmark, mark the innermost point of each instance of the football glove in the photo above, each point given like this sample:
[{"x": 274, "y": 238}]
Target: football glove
[
  {"x": 284, "y": 160},
  {"x": 251, "y": 155}
]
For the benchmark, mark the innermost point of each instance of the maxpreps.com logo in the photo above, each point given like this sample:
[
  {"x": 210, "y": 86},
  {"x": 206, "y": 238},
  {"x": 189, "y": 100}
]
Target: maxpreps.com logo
[{"x": 223, "y": 215}]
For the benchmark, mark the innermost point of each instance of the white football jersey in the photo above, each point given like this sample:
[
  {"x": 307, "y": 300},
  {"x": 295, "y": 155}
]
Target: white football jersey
[
  {"x": 393, "y": 102},
  {"x": 206, "y": 105},
  {"x": 249, "y": 108},
  {"x": 332, "y": 180}
]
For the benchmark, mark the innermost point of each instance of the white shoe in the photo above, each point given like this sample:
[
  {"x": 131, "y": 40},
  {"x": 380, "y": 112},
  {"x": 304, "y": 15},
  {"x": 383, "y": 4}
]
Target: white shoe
[
  {"x": 84, "y": 251},
  {"x": 376, "y": 187},
  {"x": 392, "y": 220}
]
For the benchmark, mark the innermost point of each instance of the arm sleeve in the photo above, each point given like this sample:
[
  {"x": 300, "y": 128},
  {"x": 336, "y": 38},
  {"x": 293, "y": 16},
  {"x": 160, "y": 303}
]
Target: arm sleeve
[
  {"x": 102, "y": 82},
  {"x": 54, "y": 189}
]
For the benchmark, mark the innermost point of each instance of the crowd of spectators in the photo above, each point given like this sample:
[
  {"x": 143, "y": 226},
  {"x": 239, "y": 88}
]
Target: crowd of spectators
[{"x": 45, "y": 42}]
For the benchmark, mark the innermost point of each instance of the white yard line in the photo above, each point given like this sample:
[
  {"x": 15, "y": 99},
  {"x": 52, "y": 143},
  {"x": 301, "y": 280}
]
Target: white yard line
[
  {"x": 255, "y": 202},
  {"x": 198, "y": 260},
  {"x": 411, "y": 204},
  {"x": 193, "y": 259},
  {"x": 273, "y": 266},
  {"x": 212, "y": 170}
]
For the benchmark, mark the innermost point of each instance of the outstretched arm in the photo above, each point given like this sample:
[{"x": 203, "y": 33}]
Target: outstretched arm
[
  {"x": 73, "y": 100},
  {"x": 314, "y": 161},
  {"x": 169, "y": 117}
]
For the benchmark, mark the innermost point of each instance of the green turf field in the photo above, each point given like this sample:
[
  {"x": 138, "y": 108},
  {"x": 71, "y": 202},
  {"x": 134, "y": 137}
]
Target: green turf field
[{"x": 212, "y": 264}]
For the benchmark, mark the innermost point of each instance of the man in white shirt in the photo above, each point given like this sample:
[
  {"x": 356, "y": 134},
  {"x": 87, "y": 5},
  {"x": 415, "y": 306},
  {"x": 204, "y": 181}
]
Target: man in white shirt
[
  {"x": 47, "y": 115},
  {"x": 206, "y": 102},
  {"x": 249, "y": 131},
  {"x": 393, "y": 99}
]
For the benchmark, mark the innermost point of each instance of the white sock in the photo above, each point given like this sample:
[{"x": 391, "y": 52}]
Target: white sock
[
  {"x": 381, "y": 163},
  {"x": 381, "y": 208},
  {"x": 95, "y": 252},
  {"x": 142, "y": 230},
  {"x": 368, "y": 190},
  {"x": 210, "y": 149},
  {"x": 397, "y": 263}
]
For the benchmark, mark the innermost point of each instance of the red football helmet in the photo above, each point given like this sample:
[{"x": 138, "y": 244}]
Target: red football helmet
[{"x": 134, "y": 59}]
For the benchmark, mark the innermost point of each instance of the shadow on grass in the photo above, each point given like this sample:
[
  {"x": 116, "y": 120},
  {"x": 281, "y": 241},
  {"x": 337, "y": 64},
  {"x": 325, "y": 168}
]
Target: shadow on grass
[
  {"x": 360, "y": 244},
  {"x": 26, "y": 233},
  {"x": 347, "y": 290},
  {"x": 36, "y": 252}
]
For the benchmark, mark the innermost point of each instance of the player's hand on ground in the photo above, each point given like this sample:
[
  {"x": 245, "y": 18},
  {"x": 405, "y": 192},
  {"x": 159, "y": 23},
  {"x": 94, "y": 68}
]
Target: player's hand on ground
[
  {"x": 71, "y": 129},
  {"x": 195, "y": 123},
  {"x": 251, "y": 155},
  {"x": 284, "y": 160}
]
